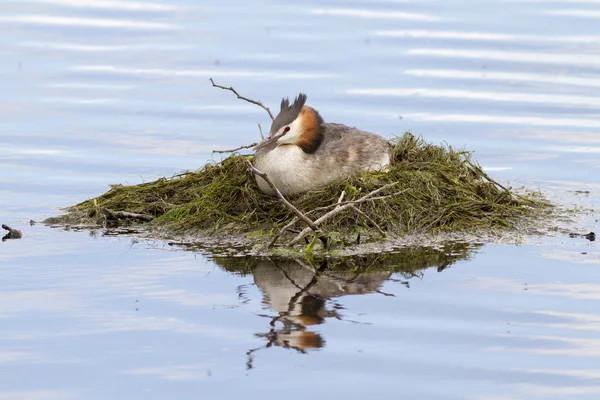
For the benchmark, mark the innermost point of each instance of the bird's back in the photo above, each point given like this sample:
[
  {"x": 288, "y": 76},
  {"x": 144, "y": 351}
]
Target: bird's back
[
  {"x": 352, "y": 149},
  {"x": 343, "y": 151}
]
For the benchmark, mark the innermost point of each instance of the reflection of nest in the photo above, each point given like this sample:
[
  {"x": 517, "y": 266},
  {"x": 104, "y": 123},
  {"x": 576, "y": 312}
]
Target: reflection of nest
[{"x": 298, "y": 293}]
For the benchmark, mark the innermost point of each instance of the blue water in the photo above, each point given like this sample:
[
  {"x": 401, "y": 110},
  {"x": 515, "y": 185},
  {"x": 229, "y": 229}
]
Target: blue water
[{"x": 113, "y": 91}]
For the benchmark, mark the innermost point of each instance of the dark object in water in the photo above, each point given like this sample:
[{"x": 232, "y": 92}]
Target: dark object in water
[
  {"x": 12, "y": 233},
  {"x": 589, "y": 236}
]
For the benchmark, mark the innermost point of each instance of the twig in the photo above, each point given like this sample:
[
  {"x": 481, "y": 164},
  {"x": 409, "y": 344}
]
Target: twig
[
  {"x": 289, "y": 205},
  {"x": 294, "y": 220},
  {"x": 311, "y": 225},
  {"x": 282, "y": 231},
  {"x": 126, "y": 214},
  {"x": 339, "y": 203},
  {"x": 236, "y": 149},
  {"x": 258, "y": 103},
  {"x": 338, "y": 209},
  {"x": 355, "y": 202},
  {"x": 260, "y": 130},
  {"x": 341, "y": 197},
  {"x": 369, "y": 219}
]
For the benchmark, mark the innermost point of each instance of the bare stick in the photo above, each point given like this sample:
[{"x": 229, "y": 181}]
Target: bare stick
[
  {"x": 290, "y": 206},
  {"x": 293, "y": 221},
  {"x": 282, "y": 231},
  {"x": 260, "y": 130},
  {"x": 338, "y": 209},
  {"x": 126, "y": 214},
  {"x": 369, "y": 219},
  {"x": 236, "y": 149},
  {"x": 258, "y": 103},
  {"x": 352, "y": 203},
  {"x": 341, "y": 197},
  {"x": 339, "y": 203},
  {"x": 355, "y": 202}
]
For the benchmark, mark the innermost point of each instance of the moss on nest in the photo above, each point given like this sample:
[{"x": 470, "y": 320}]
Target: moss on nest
[{"x": 442, "y": 189}]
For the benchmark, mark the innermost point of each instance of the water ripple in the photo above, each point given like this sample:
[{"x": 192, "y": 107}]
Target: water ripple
[
  {"x": 484, "y": 36},
  {"x": 86, "y": 22},
  {"x": 370, "y": 14},
  {"x": 108, "y": 4},
  {"x": 538, "y": 98},
  {"x": 111, "y": 69},
  {"x": 579, "y": 59},
  {"x": 575, "y": 13},
  {"x": 106, "y": 48},
  {"x": 555, "y": 79},
  {"x": 502, "y": 119}
]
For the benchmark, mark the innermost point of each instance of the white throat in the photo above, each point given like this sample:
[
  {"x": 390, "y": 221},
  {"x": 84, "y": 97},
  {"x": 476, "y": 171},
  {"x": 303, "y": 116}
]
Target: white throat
[{"x": 293, "y": 135}]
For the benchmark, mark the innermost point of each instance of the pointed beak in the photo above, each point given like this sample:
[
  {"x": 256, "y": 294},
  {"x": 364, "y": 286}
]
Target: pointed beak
[{"x": 267, "y": 141}]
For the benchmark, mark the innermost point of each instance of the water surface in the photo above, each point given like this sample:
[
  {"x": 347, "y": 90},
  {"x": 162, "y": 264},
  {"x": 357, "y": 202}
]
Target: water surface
[{"x": 103, "y": 92}]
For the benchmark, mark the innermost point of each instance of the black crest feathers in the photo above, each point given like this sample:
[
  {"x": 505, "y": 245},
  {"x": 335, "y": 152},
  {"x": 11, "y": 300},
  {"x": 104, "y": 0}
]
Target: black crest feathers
[{"x": 288, "y": 113}]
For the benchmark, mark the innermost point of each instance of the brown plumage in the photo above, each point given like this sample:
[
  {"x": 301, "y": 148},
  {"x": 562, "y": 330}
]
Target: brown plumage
[
  {"x": 312, "y": 135},
  {"x": 304, "y": 153}
]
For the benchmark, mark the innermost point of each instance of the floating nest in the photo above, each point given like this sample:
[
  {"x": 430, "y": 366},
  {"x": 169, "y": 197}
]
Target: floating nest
[{"x": 437, "y": 189}]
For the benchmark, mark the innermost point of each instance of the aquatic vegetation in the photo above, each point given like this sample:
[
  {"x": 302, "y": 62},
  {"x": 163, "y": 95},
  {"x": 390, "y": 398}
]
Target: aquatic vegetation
[
  {"x": 407, "y": 262},
  {"x": 431, "y": 188}
]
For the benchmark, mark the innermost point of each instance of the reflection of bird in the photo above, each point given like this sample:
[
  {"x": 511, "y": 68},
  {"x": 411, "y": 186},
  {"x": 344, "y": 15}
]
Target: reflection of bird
[
  {"x": 298, "y": 294},
  {"x": 304, "y": 153}
]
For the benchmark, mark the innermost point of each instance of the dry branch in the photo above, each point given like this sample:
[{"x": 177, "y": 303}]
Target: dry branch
[
  {"x": 236, "y": 149},
  {"x": 294, "y": 220},
  {"x": 342, "y": 195},
  {"x": 369, "y": 219},
  {"x": 347, "y": 205},
  {"x": 261, "y": 133},
  {"x": 257, "y": 102},
  {"x": 290, "y": 206},
  {"x": 355, "y": 202},
  {"x": 126, "y": 214},
  {"x": 282, "y": 231},
  {"x": 340, "y": 208}
]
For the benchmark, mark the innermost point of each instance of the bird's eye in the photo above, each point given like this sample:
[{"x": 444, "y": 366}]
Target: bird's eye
[{"x": 287, "y": 128}]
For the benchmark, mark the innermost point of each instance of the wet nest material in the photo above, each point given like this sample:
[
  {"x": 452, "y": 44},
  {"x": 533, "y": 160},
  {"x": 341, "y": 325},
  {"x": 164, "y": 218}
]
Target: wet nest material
[{"x": 430, "y": 189}]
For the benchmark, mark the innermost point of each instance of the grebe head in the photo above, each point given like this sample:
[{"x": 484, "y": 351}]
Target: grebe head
[{"x": 296, "y": 124}]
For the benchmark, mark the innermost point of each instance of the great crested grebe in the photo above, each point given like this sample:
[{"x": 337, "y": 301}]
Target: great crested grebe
[{"x": 303, "y": 153}]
